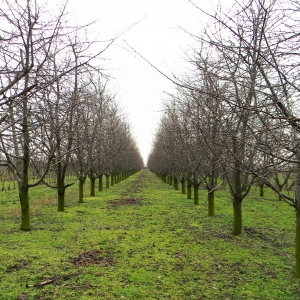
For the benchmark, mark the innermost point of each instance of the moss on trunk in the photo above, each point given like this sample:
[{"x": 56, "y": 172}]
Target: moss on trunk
[
  {"x": 92, "y": 188},
  {"x": 25, "y": 213},
  {"x": 61, "y": 200},
  {"x": 100, "y": 185},
  {"x": 196, "y": 194},
  {"x": 211, "y": 204},
  {"x": 182, "y": 186},
  {"x": 261, "y": 190},
  {"x": 237, "y": 217},
  {"x": 80, "y": 187},
  {"x": 107, "y": 181}
]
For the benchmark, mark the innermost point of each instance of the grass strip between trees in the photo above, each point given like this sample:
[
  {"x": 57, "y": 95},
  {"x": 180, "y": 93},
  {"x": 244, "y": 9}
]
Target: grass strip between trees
[{"x": 143, "y": 240}]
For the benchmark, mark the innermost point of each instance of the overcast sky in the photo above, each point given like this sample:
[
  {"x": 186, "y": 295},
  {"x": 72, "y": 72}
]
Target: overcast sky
[{"x": 158, "y": 37}]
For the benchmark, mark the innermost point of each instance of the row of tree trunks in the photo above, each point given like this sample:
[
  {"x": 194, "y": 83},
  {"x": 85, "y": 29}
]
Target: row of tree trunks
[{"x": 189, "y": 183}]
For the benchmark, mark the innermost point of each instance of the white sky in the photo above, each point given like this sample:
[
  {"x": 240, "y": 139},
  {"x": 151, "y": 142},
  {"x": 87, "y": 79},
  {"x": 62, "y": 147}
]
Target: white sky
[{"x": 139, "y": 88}]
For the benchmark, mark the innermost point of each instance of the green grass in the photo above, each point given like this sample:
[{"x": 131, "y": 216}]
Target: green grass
[{"x": 140, "y": 239}]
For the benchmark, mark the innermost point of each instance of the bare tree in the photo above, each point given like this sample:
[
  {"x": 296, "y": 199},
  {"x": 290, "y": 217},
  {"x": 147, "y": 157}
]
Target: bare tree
[{"x": 34, "y": 61}]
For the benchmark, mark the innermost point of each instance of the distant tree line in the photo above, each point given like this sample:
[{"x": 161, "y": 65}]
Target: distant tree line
[
  {"x": 234, "y": 118},
  {"x": 57, "y": 117}
]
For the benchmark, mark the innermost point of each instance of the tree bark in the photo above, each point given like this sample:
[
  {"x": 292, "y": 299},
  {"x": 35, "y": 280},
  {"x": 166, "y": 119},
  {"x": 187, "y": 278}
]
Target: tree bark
[
  {"x": 100, "y": 186},
  {"x": 211, "y": 192},
  {"x": 261, "y": 190},
  {"x": 297, "y": 204},
  {"x": 237, "y": 217},
  {"x": 211, "y": 203},
  {"x": 189, "y": 187},
  {"x": 196, "y": 194},
  {"x": 237, "y": 199},
  {"x": 182, "y": 186},
  {"x": 176, "y": 183},
  {"x": 92, "y": 190},
  {"x": 60, "y": 199},
  {"x": 107, "y": 181},
  {"x": 60, "y": 188},
  {"x": 25, "y": 213},
  {"x": 80, "y": 186}
]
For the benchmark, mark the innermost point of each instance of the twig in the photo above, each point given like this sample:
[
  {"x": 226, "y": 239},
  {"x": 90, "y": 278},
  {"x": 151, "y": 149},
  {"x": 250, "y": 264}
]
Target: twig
[{"x": 54, "y": 279}]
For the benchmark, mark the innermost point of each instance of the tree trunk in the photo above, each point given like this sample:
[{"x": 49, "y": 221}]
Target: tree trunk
[
  {"x": 297, "y": 203},
  {"x": 261, "y": 189},
  {"x": 211, "y": 204},
  {"x": 189, "y": 187},
  {"x": 196, "y": 194},
  {"x": 107, "y": 181},
  {"x": 237, "y": 200},
  {"x": 92, "y": 190},
  {"x": 23, "y": 183},
  {"x": 176, "y": 183},
  {"x": 182, "y": 186},
  {"x": 279, "y": 196},
  {"x": 112, "y": 179},
  {"x": 297, "y": 247},
  {"x": 60, "y": 189},
  {"x": 100, "y": 186},
  {"x": 170, "y": 180},
  {"x": 61, "y": 200},
  {"x": 237, "y": 217},
  {"x": 211, "y": 192},
  {"x": 25, "y": 213},
  {"x": 81, "y": 183}
]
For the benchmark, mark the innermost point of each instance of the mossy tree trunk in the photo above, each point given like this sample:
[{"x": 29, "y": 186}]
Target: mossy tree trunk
[
  {"x": 237, "y": 217},
  {"x": 297, "y": 206},
  {"x": 25, "y": 212},
  {"x": 112, "y": 179},
  {"x": 61, "y": 200},
  {"x": 60, "y": 178},
  {"x": 81, "y": 180},
  {"x": 196, "y": 194},
  {"x": 211, "y": 204},
  {"x": 189, "y": 187},
  {"x": 24, "y": 192},
  {"x": 92, "y": 186},
  {"x": 211, "y": 194},
  {"x": 261, "y": 189},
  {"x": 237, "y": 201},
  {"x": 182, "y": 185},
  {"x": 107, "y": 180},
  {"x": 196, "y": 191},
  {"x": 23, "y": 181},
  {"x": 297, "y": 246},
  {"x": 176, "y": 183},
  {"x": 100, "y": 185}
]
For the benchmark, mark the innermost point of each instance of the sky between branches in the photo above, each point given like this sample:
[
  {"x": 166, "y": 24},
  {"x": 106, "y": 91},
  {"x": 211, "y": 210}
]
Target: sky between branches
[{"x": 158, "y": 36}]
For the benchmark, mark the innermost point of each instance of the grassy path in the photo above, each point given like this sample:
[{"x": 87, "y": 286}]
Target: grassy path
[{"x": 142, "y": 240}]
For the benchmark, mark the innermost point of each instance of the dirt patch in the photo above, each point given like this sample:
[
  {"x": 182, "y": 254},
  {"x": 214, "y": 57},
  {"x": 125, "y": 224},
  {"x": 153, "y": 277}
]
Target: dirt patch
[
  {"x": 252, "y": 232},
  {"x": 93, "y": 257},
  {"x": 21, "y": 264},
  {"x": 126, "y": 201}
]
